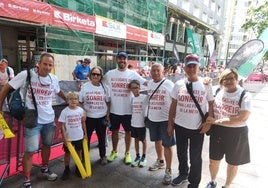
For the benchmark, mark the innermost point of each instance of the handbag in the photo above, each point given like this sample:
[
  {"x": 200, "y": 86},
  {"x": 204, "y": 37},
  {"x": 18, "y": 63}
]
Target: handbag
[
  {"x": 31, "y": 115},
  {"x": 146, "y": 119},
  {"x": 204, "y": 116}
]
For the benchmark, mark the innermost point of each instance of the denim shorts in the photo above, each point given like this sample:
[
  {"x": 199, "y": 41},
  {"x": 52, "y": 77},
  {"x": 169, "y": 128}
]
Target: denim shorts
[
  {"x": 158, "y": 131},
  {"x": 31, "y": 136}
]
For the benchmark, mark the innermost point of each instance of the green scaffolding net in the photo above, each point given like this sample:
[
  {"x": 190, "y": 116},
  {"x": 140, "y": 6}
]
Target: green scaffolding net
[
  {"x": 147, "y": 14},
  {"x": 71, "y": 42}
]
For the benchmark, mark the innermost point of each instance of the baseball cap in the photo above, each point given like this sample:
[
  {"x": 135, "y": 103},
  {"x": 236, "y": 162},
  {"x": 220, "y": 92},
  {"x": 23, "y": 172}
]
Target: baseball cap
[
  {"x": 87, "y": 60},
  {"x": 191, "y": 59},
  {"x": 122, "y": 54}
]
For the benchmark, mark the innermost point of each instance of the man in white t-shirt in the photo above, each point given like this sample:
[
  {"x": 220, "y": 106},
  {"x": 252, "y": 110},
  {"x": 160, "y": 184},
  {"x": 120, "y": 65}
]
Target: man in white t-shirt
[
  {"x": 185, "y": 118},
  {"x": 44, "y": 85},
  {"x": 159, "y": 89},
  {"x": 120, "y": 113}
]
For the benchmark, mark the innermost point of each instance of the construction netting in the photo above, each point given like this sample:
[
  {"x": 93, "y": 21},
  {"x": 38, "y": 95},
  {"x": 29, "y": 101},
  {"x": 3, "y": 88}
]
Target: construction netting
[
  {"x": 68, "y": 41},
  {"x": 147, "y": 14}
]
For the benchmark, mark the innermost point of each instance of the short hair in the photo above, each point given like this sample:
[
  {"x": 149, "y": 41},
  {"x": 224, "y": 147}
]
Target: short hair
[
  {"x": 45, "y": 54},
  {"x": 71, "y": 94},
  {"x": 134, "y": 82},
  {"x": 226, "y": 72},
  {"x": 160, "y": 65},
  {"x": 4, "y": 60}
]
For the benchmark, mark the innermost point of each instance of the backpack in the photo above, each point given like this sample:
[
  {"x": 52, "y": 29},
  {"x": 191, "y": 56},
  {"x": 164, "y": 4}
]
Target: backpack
[
  {"x": 8, "y": 73},
  {"x": 16, "y": 104},
  {"x": 240, "y": 99}
]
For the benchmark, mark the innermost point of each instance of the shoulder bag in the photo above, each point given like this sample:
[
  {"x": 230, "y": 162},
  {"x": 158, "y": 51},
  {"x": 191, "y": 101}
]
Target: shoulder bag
[{"x": 146, "y": 120}]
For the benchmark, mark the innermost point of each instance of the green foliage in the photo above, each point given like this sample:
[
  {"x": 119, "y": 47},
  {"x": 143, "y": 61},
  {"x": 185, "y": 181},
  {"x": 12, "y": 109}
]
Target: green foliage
[{"x": 257, "y": 20}]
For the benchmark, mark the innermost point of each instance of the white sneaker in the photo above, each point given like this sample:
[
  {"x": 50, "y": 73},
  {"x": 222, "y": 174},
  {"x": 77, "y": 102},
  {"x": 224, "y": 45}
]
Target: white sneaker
[
  {"x": 49, "y": 175},
  {"x": 157, "y": 165},
  {"x": 167, "y": 178}
]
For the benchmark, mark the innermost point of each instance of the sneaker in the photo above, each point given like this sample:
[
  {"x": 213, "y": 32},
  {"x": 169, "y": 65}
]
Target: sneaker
[
  {"x": 112, "y": 157},
  {"x": 179, "y": 180},
  {"x": 127, "y": 159},
  {"x": 103, "y": 161},
  {"x": 136, "y": 162},
  {"x": 49, "y": 175},
  {"x": 157, "y": 165},
  {"x": 27, "y": 184},
  {"x": 167, "y": 178},
  {"x": 65, "y": 175},
  {"x": 143, "y": 162},
  {"x": 212, "y": 184}
]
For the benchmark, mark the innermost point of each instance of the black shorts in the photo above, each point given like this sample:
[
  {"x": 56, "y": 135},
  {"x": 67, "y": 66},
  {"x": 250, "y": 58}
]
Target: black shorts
[
  {"x": 139, "y": 133},
  {"x": 231, "y": 142},
  {"x": 78, "y": 145},
  {"x": 117, "y": 120}
]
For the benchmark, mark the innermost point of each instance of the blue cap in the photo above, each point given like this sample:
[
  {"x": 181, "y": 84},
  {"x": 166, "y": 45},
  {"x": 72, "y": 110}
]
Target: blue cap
[{"x": 122, "y": 54}]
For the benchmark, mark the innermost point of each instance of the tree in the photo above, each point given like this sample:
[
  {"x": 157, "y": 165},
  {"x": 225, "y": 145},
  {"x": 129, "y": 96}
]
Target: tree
[{"x": 258, "y": 20}]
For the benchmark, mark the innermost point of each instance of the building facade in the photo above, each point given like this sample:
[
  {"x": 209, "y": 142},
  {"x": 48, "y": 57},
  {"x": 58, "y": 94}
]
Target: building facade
[{"x": 153, "y": 30}]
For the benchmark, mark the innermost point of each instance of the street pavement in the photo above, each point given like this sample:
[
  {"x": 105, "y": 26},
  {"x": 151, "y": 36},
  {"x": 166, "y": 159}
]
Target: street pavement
[{"x": 117, "y": 174}]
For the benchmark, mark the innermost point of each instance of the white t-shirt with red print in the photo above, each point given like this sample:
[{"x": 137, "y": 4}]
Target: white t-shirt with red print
[
  {"x": 227, "y": 104},
  {"x": 94, "y": 99},
  {"x": 160, "y": 102},
  {"x": 187, "y": 114},
  {"x": 73, "y": 122},
  {"x": 118, "y": 82},
  {"x": 44, "y": 88},
  {"x": 139, "y": 106}
]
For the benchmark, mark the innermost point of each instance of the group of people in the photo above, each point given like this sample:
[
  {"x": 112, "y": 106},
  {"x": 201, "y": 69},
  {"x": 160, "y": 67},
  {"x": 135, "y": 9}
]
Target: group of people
[{"x": 173, "y": 111}]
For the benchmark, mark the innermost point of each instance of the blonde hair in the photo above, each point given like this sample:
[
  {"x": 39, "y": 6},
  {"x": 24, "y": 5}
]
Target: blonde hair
[
  {"x": 71, "y": 94},
  {"x": 226, "y": 72}
]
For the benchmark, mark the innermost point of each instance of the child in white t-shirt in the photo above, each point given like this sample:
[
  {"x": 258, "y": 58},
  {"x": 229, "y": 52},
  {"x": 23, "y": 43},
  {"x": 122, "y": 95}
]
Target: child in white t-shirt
[
  {"x": 73, "y": 126},
  {"x": 138, "y": 130}
]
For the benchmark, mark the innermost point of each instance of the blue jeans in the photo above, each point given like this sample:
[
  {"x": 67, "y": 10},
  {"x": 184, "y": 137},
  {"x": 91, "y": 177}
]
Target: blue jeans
[
  {"x": 194, "y": 140},
  {"x": 31, "y": 136}
]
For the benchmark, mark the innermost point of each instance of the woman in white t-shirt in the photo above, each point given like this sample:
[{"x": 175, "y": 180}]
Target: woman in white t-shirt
[
  {"x": 95, "y": 97},
  {"x": 229, "y": 136}
]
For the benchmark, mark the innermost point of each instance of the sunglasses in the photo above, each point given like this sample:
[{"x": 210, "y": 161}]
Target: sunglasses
[{"x": 96, "y": 74}]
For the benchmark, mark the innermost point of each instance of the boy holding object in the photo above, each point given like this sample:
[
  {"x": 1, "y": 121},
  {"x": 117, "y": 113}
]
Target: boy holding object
[{"x": 73, "y": 127}]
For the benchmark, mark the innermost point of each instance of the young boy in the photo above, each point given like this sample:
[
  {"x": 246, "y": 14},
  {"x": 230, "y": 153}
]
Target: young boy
[
  {"x": 138, "y": 131},
  {"x": 73, "y": 126}
]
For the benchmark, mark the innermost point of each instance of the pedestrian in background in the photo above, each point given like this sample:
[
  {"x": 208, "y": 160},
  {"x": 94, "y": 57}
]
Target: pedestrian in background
[
  {"x": 73, "y": 129},
  {"x": 118, "y": 80},
  {"x": 6, "y": 74},
  {"x": 82, "y": 70},
  {"x": 229, "y": 137},
  {"x": 95, "y": 99},
  {"x": 185, "y": 118},
  {"x": 44, "y": 81},
  {"x": 138, "y": 132},
  {"x": 159, "y": 90}
]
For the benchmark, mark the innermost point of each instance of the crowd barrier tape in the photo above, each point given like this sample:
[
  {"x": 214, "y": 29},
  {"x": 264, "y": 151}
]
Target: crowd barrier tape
[
  {"x": 77, "y": 160},
  {"x": 5, "y": 128},
  {"x": 87, "y": 158}
]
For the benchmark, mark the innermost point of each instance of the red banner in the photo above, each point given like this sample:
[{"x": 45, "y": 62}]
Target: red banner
[
  {"x": 32, "y": 11},
  {"x": 73, "y": 20},
  {"x": 137, "y": 34}
]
